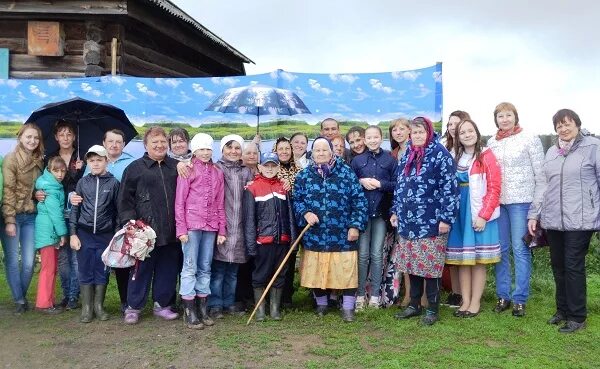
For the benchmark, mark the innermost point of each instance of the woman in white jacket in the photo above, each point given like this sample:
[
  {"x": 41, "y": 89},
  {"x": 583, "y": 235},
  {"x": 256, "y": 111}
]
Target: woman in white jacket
[{"x": 520, "y": 156}]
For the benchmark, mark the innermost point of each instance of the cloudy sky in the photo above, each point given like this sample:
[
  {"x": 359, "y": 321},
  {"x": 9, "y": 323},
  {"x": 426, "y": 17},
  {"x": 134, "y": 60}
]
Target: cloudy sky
[{"x": 539, "y": 55}]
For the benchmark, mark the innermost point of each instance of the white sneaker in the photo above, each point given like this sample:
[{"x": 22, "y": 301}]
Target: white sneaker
[
  {"x": 360, "y": 303},
  {"x": 374, "y": 302}
]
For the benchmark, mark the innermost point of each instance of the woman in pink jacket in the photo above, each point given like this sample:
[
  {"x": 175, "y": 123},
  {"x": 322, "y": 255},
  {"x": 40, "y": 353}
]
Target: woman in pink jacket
[
  {"x": 474, "y": 242},
  {"x": 199, "y": 219}
]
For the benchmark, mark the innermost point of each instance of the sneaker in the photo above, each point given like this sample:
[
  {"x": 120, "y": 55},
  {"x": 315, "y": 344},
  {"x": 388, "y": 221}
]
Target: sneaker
[
  {"x": 430, "y": 317},
  {"x": 374, "y": 302},
  {"x": 165, "y": 313},
  {"x": 409, "y": 312},
  {"x": 20, "y": 309},
  {"x": 72, "y": 304},
  {"x": 571, "y": 326},
  {"x": 51, "y": 310},
  {"x": 557, "y": 318},
  {"x": 454, "y": 300},
  {"x": 360, "y": 303},
  {"x": 518, "y": 310},
  {"x": 348, "y": 315},
  {"x": 501, "y": 305},
  {"x": 132, "y": 316}
]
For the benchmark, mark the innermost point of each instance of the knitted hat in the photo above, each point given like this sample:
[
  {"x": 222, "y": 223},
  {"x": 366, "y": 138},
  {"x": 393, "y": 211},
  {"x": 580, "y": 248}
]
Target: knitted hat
[
  {"x": 228, "y": 138},
  {"x": 201, "y": 141}
]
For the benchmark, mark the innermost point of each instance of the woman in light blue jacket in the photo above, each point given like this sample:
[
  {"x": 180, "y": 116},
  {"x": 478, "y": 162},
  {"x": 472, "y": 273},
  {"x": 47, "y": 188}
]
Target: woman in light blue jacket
[{"x": 567, "y": 204}]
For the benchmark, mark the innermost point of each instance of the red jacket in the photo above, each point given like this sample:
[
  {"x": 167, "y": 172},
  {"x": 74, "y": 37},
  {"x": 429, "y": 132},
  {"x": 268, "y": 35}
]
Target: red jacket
[
  {"x": 268, "y": 215},
  {"x": 485, "y": 181}
]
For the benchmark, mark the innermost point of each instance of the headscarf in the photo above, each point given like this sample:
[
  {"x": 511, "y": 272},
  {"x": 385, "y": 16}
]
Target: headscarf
[
  {"x": 324, "y": 169},
  {"x": 417, "y": 153}
]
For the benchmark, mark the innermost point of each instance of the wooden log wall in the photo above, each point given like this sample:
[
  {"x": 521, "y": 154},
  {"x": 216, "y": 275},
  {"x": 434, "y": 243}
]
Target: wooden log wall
[{"x": 72, "y": 64}]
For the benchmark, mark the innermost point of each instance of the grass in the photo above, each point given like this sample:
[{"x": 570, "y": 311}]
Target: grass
[{"x": 302, "y": 340}]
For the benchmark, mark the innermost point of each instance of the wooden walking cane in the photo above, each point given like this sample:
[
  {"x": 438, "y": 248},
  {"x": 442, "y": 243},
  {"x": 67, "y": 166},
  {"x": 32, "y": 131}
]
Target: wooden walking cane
[{"x": 287, "y": 256}]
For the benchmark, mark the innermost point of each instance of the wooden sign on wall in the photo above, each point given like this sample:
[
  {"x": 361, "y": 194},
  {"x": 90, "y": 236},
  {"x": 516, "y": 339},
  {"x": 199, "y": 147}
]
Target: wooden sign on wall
[{"x": 45, "y": 38}]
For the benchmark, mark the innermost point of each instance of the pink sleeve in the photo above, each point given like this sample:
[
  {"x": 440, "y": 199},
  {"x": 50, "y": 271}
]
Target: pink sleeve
[
  {"x": 181, "y": 195},
  {"x": 221, "y": 202},
  {"x": 493, "y": 177}
]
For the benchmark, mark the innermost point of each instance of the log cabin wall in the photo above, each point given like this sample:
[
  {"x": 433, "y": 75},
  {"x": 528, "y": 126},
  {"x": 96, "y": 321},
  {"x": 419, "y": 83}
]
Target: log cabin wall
[{"x": 151, "y": 42}]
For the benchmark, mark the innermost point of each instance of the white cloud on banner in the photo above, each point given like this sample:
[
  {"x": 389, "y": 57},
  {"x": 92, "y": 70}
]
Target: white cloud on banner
[
  {"x": 360, "y": 94},
  {"x": 315, "y": 85},
  {"x": 437, "y": 76},
  {"x": 346, "y": 78},
  {"x": 377, "y": 85},
  {"x": 226, "y": 81},
  {"x": 408, "y": 75},
  {"x": 86, "y": 87},
  {"x": 60, "y": 83},
  {"x": 171, "y": 82},
  {"x": 145, "y": 90},
  {"x": 12, "y": 83},
  {"x": 116, "y": 80},
  {"x": 423, "y": 91},
  {"x": 128, "y": 96},
  {"x": 201, "y": 90},
  {"x": 184, "y": 97},
  {"x": 20, "y": 97},
  {"x": 286, "y": 76},
  {"x": 37, "y": 92}
]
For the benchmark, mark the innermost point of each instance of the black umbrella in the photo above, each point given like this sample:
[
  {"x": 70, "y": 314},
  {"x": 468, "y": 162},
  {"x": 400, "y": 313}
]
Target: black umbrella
[{"x": 90, "y": 119}]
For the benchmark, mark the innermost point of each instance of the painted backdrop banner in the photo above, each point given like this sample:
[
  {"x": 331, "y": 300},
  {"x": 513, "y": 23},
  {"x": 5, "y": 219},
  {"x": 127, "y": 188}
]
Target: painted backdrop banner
[{"x": 366, "y": 97}]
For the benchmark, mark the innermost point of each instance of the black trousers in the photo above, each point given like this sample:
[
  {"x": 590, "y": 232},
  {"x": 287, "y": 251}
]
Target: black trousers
[
  {"x": 432, "y": 289},
  {"x": 243, "y": 288},
  {"x": 122, "y": 277},
  {"x": 567, "y": 256},
  {"x": 159, "y": 270},
  {"x": 288, "y": 286},
  {"x": 267, "y": 260}
]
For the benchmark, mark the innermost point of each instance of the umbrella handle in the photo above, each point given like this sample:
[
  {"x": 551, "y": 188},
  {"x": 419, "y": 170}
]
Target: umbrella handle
[{"x": 257, "y": 118}]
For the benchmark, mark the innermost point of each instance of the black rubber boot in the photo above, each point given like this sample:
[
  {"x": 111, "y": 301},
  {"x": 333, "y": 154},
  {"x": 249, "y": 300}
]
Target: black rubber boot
[
  {"x": 275, "y": 297},
  {"x": 260, "y": 312},
  {"x": 99, "y": 295},
  {"x": 202, "y": 311},
  {"x": 431, "y": 314},
  {"x": 190, "y": 319},
  {"x": 87, "y": 303}
]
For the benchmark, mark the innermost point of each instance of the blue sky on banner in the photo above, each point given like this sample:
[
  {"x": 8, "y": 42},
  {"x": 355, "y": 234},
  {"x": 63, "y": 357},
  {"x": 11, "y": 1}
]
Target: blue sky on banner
[{"x": 370, "y": 97}]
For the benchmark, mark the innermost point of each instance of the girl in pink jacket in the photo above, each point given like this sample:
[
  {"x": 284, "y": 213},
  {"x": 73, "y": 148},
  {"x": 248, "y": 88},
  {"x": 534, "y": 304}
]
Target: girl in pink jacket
[{"x": 199, "y": 219}]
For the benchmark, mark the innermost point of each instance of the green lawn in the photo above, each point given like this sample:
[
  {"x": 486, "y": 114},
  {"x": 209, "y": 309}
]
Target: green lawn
[{"x": 302, "y": 340}]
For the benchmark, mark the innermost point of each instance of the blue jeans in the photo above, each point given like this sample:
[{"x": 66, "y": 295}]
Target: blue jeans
[
  {"x": 19, "y": 276},
  {"x": 222, "y": 284},
  {"x": 370, "y": 246},
  {"x": 512, "y": 226},
  {"x": 68, "y": 269},
  {"x": 197, "y": 257}
]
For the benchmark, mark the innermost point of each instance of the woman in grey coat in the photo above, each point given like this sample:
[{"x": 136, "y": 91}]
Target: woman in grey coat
[{"x": 567, "y": 205}]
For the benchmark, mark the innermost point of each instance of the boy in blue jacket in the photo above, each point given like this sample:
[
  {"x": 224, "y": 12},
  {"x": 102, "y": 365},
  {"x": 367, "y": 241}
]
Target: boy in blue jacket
[{"x": 92, "y": 225}]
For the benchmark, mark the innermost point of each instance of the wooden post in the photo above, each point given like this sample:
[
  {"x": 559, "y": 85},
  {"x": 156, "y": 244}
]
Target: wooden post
[{"x": 113, "y": 55}]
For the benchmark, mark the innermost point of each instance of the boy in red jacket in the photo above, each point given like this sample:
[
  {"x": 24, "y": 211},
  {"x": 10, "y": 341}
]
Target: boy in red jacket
[{"x": 269, "y": 228}]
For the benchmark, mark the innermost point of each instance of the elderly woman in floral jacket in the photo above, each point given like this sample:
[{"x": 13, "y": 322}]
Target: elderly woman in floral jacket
[
  {"x": 424, "y": 207},
  {"x": 328, "y": 196}
]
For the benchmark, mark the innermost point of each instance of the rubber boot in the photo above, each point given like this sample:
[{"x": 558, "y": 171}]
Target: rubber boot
[
  {"x": 431, "y": 314},
  {"x": 260, "y": 312},
  {"x": 99, "y": 295},
  {"x": 190, "y": 319},
  {"x": 275, "y": 297},
  {"x": 202, "y": 311},
  {"x": 87, "y": 303}
]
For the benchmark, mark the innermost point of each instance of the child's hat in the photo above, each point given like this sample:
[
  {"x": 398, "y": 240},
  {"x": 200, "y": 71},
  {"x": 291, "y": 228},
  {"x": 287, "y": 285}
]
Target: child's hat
[
  {"x": 98, "y": 150},
  {"x": 201, "y": 141},
  {"x": 269, "y": 157},
  {"x": 229, "y": 138}
]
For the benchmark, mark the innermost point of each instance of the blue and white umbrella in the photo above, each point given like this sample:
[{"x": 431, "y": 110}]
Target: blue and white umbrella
[{"x": 258, "y": 100}]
